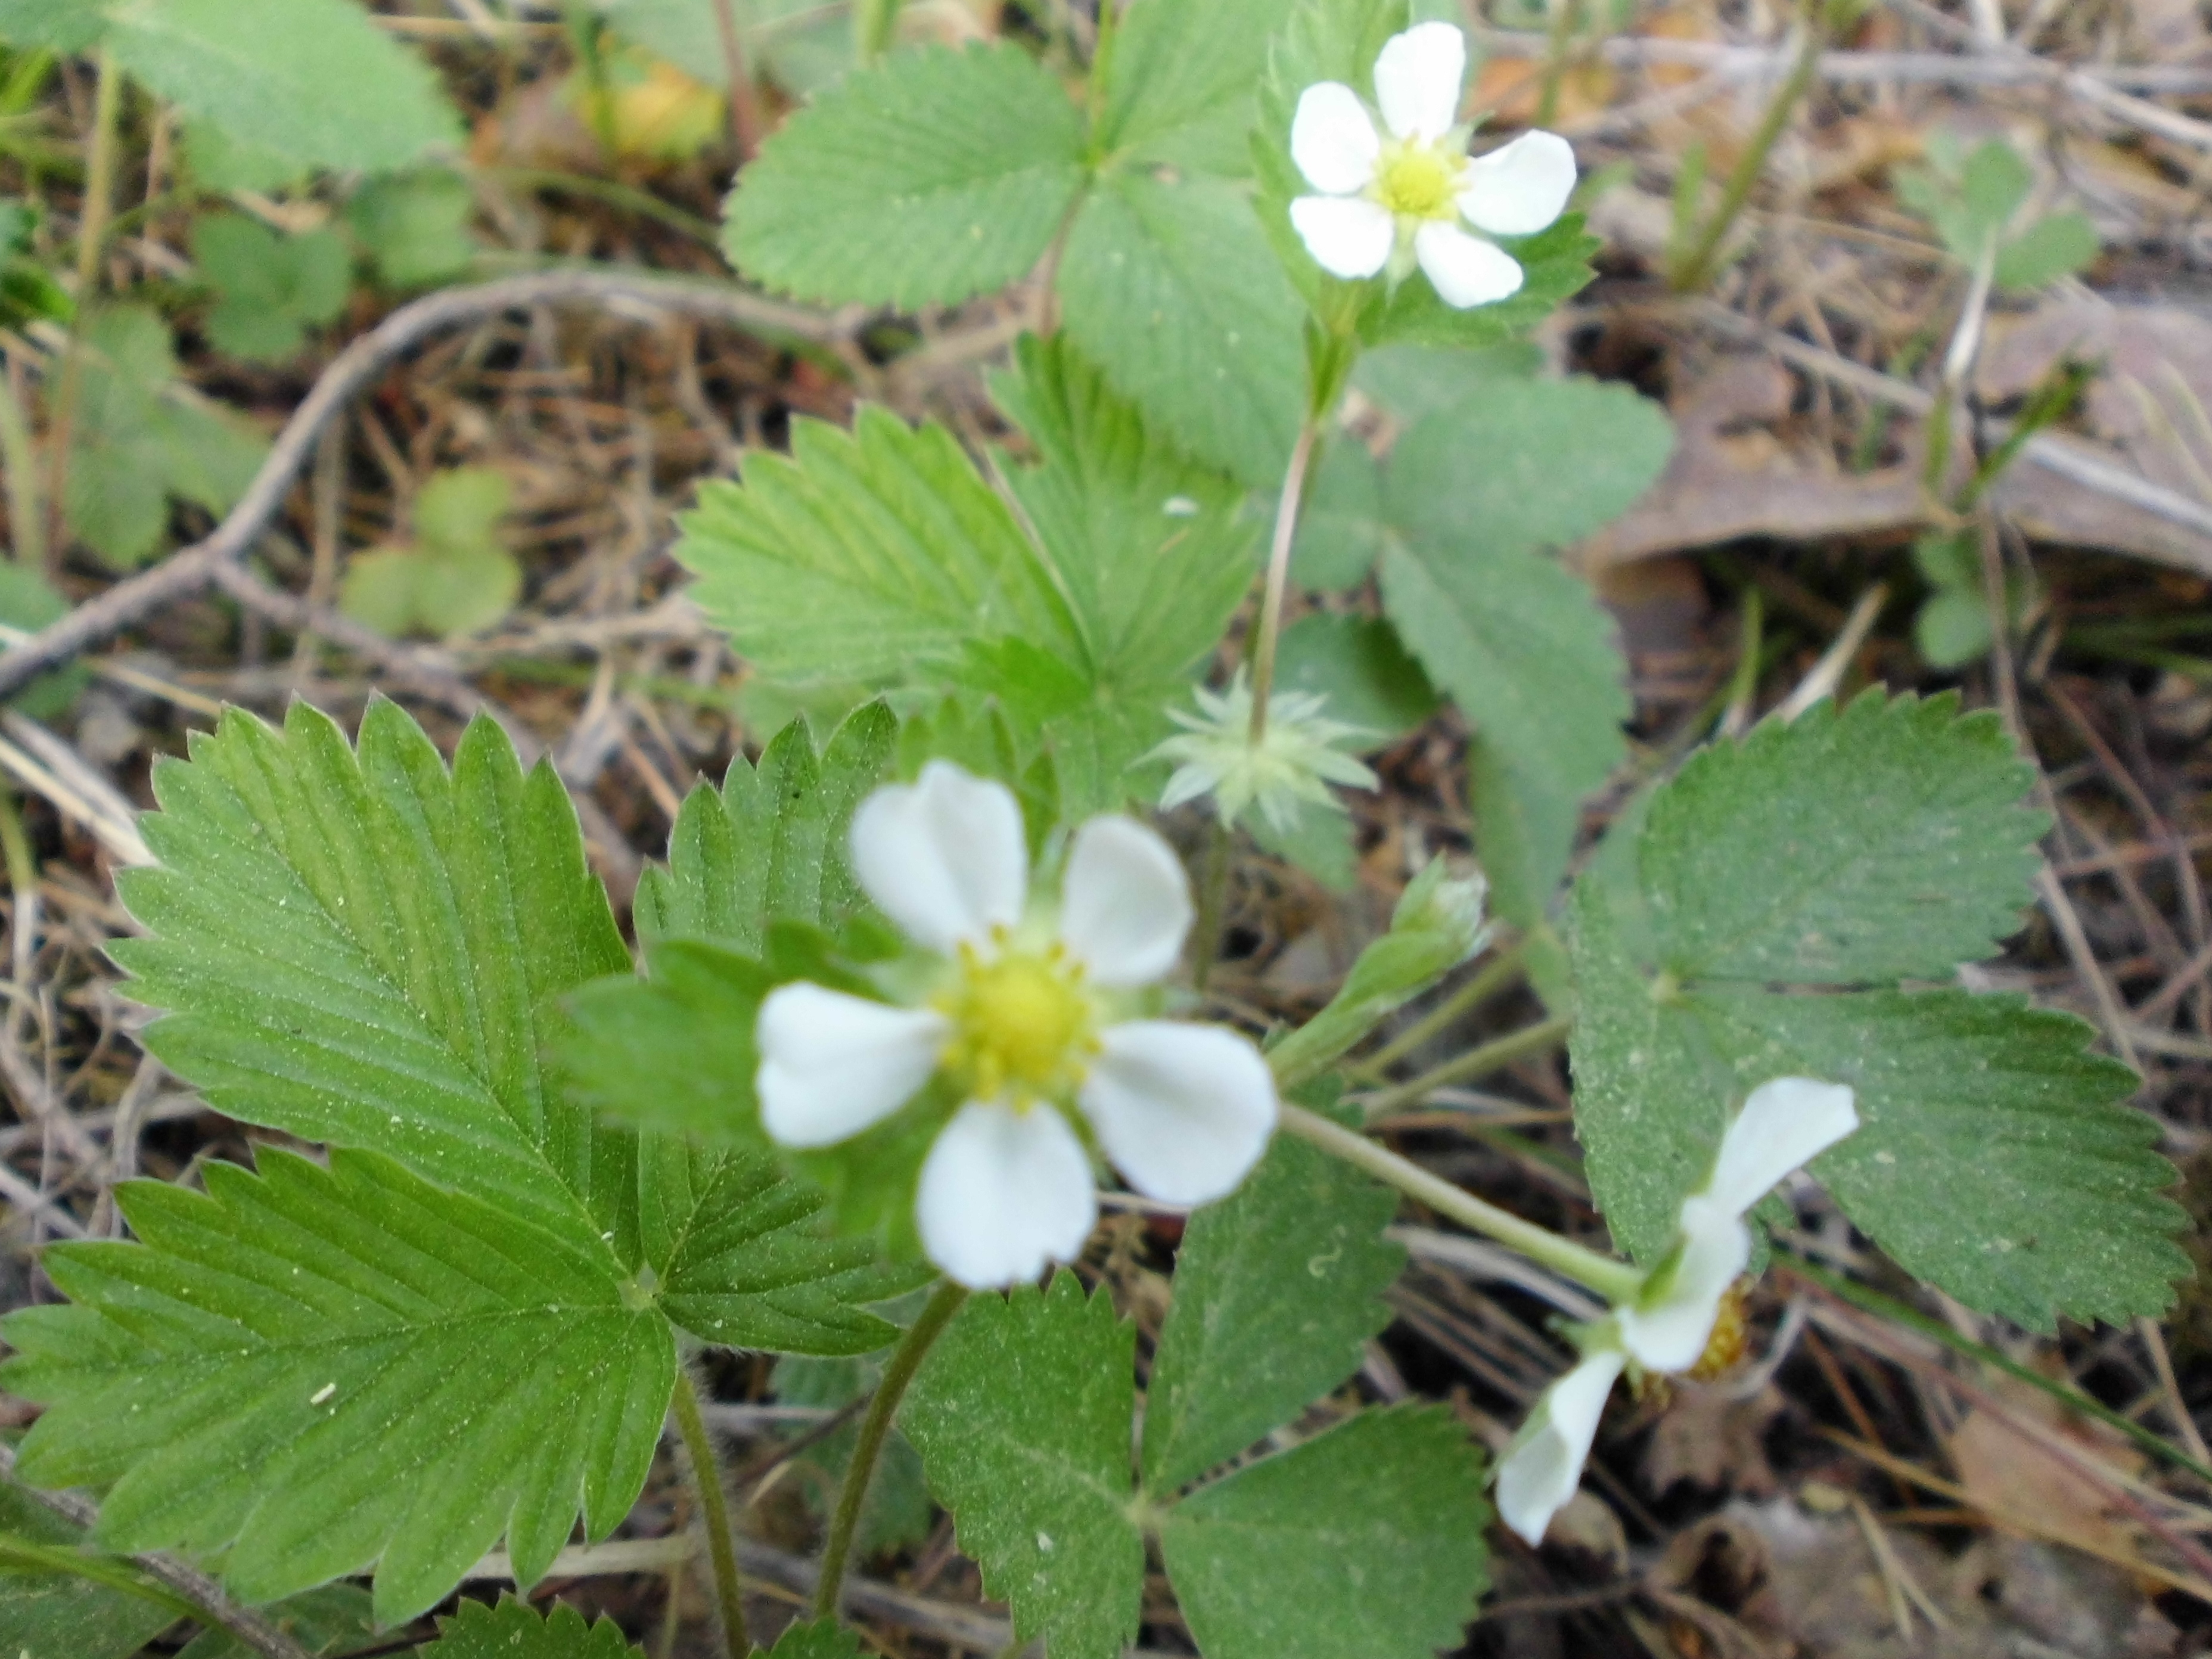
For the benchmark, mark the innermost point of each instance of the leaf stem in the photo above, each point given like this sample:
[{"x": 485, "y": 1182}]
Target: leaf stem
[
  {"x": 714, "y": 1510},
  {"x": 1617, "y": 1281},
  {"x": 744, "y": 106},
  {"x": 1494, "y": 975},
  {"x": 1270, "y": 626},
  {"x": 875, "y": 1429},
  {"x": 1494, "y": 1055},
  {"x": 1212, "y": 897},
  {"x": 91, "y": 236}
]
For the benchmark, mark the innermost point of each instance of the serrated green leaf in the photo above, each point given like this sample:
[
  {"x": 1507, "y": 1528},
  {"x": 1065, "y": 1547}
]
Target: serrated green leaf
[
  {"x": 362, "y": 948},
  {"x": 820, "y": 1639},
  {"x": 1169, "y": 284},
  {"x": 1884, "y": 839},
  {"x": 273, "y": 289},
  {"x": 1277, "y": 1290},
  {"x": 336, "y": 1618},
  {"x": 928, "y": 178},
  {"x": 514, "y": 1630},
  {"x": 1555, "y": 267},
  {"x": 770, "y": 844},
  {"x": 313, "y": 1370},
  {"x": 314, "y": 80},
  {"x": 2058, "y": 245},
  {"x": 1366, "y": 1540},
  {"x": 1179, "y": 87},
  {"x": 1357, "y": 665},
  {"x": 870, "y": 556},
  {"x": 415, "y": 227},
  {"x": 1527, "y": 817},
  {"x": 1341, "y": 527},
  {"x": 672, "y": 1052},
  {"x": 1022, "y": 1416}
]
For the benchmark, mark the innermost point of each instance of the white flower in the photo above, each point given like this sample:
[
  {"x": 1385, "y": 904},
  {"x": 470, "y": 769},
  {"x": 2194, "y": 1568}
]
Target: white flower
[
  {"x": 1784, "y": 1124},
  {"x": 1294, "y": 763},
  {"x": 1022, "y": 1019},
  {"x": 1396, "y": 196}
]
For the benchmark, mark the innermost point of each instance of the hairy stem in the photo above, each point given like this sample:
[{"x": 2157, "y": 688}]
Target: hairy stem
[
  {"x": 1270, "y": 626},
  {"x": 875, "y": 1428},
  {"x": 714, "y": 1510},
  {"x": 1492, "y": 1056},
  {"x": 1617, "y": 1281},
  {"x": 1503, "y": 969}
]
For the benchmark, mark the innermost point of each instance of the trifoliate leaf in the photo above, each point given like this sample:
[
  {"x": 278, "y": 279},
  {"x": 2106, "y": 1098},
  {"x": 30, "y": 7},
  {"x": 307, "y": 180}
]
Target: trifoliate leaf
[
  {"x": 1366, "y": 1540},
  {"x": 514, "y": 1630},
  {"x": 1277, "y": 1290},
  {"x": 415, "y": 227},
  {"x": 363, "y": 949},
  {"x": 770, "y": 846},
  {"x": 314, "y": 80},
  {"x": 1180, "y": 84},
  {"x": 1022, "y": 1416},
  {"x": 1357, "y": 665},
  {"x": 930, "y": 177},
  {"x": 873, "y": 556},
  {"x": 455, "y": 577},
  {"x": 1341, "y": 527},
  {"x": 1881, "y": 840},
  {"x": 59, "y": 1600},
  {"x": 1168, "y": 285},
  {"x": 313, "y": 1370},
  {"x": 272, "y": 289}
]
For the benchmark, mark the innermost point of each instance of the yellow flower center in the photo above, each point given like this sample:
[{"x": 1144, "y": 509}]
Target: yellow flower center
[
  {"x": 1731, "y": 1335},
  {"x": 1418, "y": 181},
  {"x": 1023, "y": 1025}
]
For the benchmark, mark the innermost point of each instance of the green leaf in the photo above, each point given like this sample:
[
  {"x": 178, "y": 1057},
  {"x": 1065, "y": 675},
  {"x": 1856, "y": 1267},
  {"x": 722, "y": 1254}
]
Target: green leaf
[
  {"x": 415, "y": 227},
  {"x": 872, "y": 556},
  {"x": 672, "y": 1052},
  {"x": 794, "y": 42},
  {"x": 2058, "y": 245},
  {"x": 361, "y": 948},
  {"x": 336, "y": 1618},
  {"x": 219, "y": 163},
  {"x": 1179, "y": 86},
  {"x": 314, "y": 80},
  {"x": 1022, "y": 1416},
  {"x": 1527, "y": 815},
  {"x": 457, "y": 578},
  {"x": 1884, "y": 839},
  {"x": 1410, "y": 381},
  {"x": 820, "y": 1639},
  {"x": 1341, "y": 527},
  {"x": 1277, "y": 1290},
  {"x": 1366, "y": 1540},
  {"x": 931, "y": 177},
  {"x": 1169, "y": 284},
  {"x": 1993, "y": 185},
  {"x": 1319, "y": 842},
  {"x": 64, "y": 28},
  {"x": 313, "y": 1370},
  {"x": 59, "y": 1602},
  {"x": 1952, "y": 629},
  {"x": 1555, "y": 267},
  {"x": 514, "y": 1630},
  {"x": 770, "y": 845},
  {"x": 273, "y": 289},
  {"x": 28, "y": 603},
  {"x": 1358, "y": 665}
]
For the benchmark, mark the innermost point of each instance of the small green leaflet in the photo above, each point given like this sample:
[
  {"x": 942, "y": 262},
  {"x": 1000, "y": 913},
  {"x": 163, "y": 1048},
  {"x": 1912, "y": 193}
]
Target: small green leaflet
[
  {"x": 271, "y": 289},
  {"x": 455, "y": 577},
  {"x": 312, "y": 80},
  {"x": 1022, "y": 1418},
  {"x": 317, "y": 1368},
  {"x": 1367, "y": 1539},
  {"x": 413, "y": 228},
  {"x": 1180, "y": 81},
  {"x": 1358, "y": 665},
  {"x": 963, "y": 163},
  {"x": 1851, "y": 849},
  {"x": 514, "y": 1630},
  {"x": 28, "y": 603},
  {"x": 1972, "y": 198}
]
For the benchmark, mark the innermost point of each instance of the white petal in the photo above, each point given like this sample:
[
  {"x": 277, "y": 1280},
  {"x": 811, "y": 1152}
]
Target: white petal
[
  {"x": 1347, "y": 236},
  {"x": 1332, "y": 139},
  {"x": 1003, "y": 1193},
  {"x": 1519, "y": 188},
  {"x": 1418, "y": 78},
  {"x": 1466, "y": 269},
  {"x": 1126, "y": 902},
  {"x": 1670, "y": 1334},
  {"x": 832, "y": 1064},
  {"x": 1543, "y": 1467},
  {"x": 1785, "y": 1125},
  {"x": 943, "y": 857},
  {"x": 1182, "y": 1111}
]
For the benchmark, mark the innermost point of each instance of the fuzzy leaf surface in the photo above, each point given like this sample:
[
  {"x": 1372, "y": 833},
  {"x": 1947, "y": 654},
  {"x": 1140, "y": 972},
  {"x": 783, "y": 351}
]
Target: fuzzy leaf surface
[
  {"x": 1181, "y": 85},
  {"x": 1367, "y": 1539},
  {"x": 273, "y": 289},
  {"x": 963, "y": 163},
  {"x": 1022, "y": 1414},
  {"x": 514, "y": 1630},
  {"x": 313, "y": 1370},
  {"x": 1277, "y": 1290}
]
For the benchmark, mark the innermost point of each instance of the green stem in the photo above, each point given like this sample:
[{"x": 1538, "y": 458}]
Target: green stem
[
  {"x": 875, "y": 1429},
  {"x": 1617, "y": 1281},
  {"x": 1694, "y": 267},
  {"x": 875, "y": 23},
  {"x": 1501, "y": 970},
  {"x": 714, "y": 1510},
  {"x": 1492, "y": 1056},
  {"x": 20, "y": 458},
  {"x": 1278, "y": 575},
  {"x": 1212, "y": 897},
  {"x": 91, "y": 237}
]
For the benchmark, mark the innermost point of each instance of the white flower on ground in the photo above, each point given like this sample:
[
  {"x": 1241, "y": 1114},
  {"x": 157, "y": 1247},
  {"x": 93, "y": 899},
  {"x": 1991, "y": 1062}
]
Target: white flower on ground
[
  {"x": 1785, "y": 1124},
  {"x": 1293, "y": 765},
  {"x": 1022, "y": 1020},
  {"x": 1405, "y": 192}
]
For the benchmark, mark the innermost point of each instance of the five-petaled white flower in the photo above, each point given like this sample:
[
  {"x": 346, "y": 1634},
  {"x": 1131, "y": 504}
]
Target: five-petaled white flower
[
  {"x": 1396, "y": 196},
  {"x": 1021, "y": 1019},
  {"x": 1784, "y": 1124}
]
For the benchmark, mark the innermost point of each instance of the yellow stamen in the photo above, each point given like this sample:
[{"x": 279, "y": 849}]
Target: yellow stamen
[
  {"x": 1418, "y": 181},
  {"x": 1024, "y": 1025},
  {"x": 1731, "y": 1336}
]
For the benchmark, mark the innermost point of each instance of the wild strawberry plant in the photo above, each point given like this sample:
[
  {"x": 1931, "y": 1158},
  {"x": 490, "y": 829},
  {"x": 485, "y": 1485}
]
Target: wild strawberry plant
[{"x": 907, "y": 994}]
